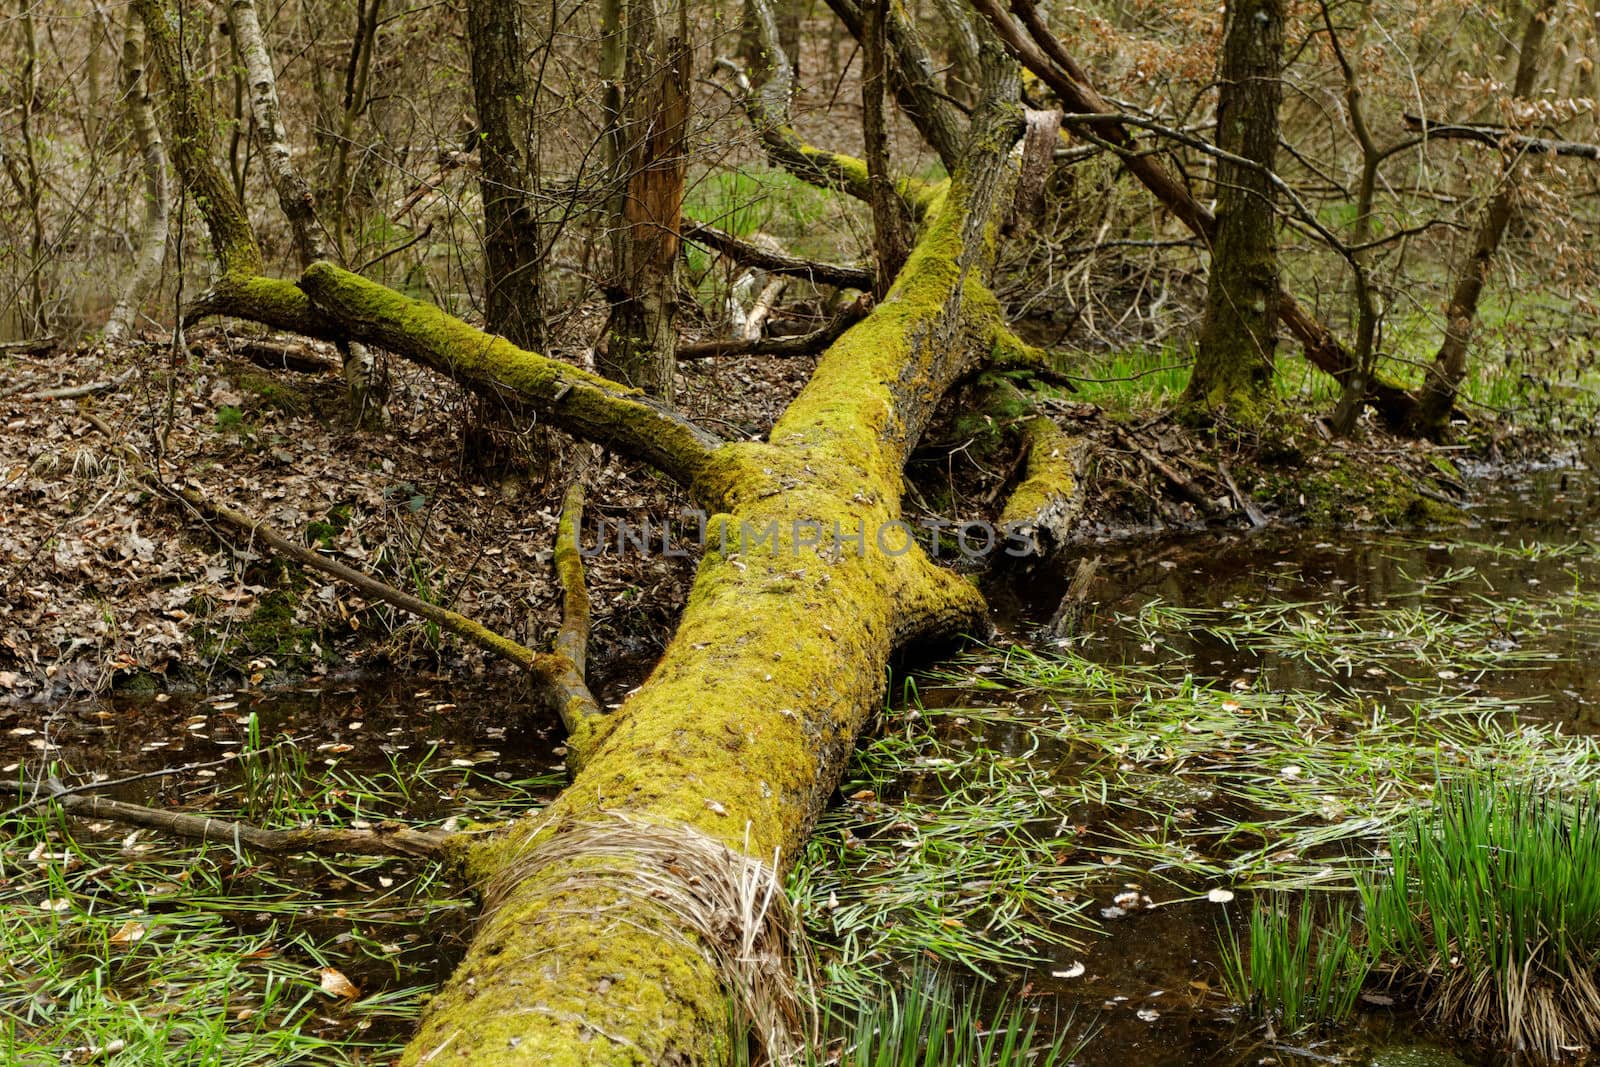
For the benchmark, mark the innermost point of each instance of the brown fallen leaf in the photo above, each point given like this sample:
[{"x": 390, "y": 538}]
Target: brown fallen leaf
[
  {"x": 128, "y": 933},
  {"x": 334, "y": 983}
]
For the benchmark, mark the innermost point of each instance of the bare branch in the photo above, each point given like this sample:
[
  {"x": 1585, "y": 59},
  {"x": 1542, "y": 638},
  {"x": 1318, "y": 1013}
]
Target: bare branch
[
  {"x": 1503, "y": 139},
  {"x": 753, "y": 255}
]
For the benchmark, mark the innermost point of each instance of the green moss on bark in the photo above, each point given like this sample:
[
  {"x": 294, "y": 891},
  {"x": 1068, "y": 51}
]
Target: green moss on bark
[{"x": 743, "y": 727}]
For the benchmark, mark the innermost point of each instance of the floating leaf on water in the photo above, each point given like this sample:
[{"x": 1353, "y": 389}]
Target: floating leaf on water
[
  {"x": 1075, "y": 971},
  {"x": 1220, "y": 896},
  {"x": 334, "y": 983},
  {"x": 1148, "y": 1015}
]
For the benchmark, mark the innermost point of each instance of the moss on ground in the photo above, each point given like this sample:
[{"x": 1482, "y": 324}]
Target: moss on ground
[{"x": 1338, "y": 489}]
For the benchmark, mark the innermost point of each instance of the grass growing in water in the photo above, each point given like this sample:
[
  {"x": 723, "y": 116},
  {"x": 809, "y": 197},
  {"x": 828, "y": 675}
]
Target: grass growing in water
[
  {"x": 129, "y": 949},
  {"x": 944, "y": 847},
  {"x": 928, "y": 1022},
  {"x": 1492, "y": 909},
  {"x": 1297, "y": 972}
]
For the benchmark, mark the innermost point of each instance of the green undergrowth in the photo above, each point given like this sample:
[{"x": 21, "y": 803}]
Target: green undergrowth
[
  {"x": 927, "y": 1020},
  {"x": 1296, "y": 970},
  {"x": 1533, "y": 377},
  {"x": 1489, "y": 906},
  {"x": 127, "y": 948}
]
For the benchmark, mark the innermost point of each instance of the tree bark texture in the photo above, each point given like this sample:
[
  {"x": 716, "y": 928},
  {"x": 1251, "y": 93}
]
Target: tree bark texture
[
  {"x": 502, "y": 93},
  {"x": 643, "y": 334},
  {"x": 1238, "y": 336}
]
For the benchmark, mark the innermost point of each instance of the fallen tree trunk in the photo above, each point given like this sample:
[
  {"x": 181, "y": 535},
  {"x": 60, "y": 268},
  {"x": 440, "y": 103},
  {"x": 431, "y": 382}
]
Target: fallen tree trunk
[
  {"x": 621, "y": 920},
  {"x": 595, "y": 952}
]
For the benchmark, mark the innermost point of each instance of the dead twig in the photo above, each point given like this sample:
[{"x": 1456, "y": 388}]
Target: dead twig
[{"x": 386, "y": 839}]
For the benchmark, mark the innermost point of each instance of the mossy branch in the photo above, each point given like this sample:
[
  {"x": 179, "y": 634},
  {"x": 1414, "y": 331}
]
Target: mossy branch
[
  {"x": 583, "y": 404},
  {"x": 768, "y": 110},
  {"x": 579, "y": 711},
  {"x": 1048, "y": 500}
]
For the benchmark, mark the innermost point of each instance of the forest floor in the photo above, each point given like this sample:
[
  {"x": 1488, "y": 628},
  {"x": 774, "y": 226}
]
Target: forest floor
[{"x": 107, "y": 586}]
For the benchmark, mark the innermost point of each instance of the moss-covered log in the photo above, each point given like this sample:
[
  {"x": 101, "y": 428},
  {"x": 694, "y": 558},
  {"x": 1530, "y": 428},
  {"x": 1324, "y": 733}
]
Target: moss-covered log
[
  {"x": 740, "y": 733},
  {"x": 1047, "y": 502}
]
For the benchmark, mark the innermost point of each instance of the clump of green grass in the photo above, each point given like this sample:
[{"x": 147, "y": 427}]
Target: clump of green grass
[
  {"x": 928, "y": 1022},
  {"x": 1492, "y": 909},
  {"x": 1297, "y": 972}
]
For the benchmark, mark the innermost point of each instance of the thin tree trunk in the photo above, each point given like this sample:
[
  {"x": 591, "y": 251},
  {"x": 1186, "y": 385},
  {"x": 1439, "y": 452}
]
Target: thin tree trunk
[
  {"x": 294, "y": 195},
  {"x": 502, "y": 93},
  {"x": 1239, "y": 335},
  {"x": 891, "y": 222},
  {"x": 157, "y": 197},
  {"x": 358, "y": 69},
  {"x": 645, "y": 238},
  {"x": 37, "y": 317},
  {"x": 1449, "y": 366},
  {"x": 1363, "y": 358}
]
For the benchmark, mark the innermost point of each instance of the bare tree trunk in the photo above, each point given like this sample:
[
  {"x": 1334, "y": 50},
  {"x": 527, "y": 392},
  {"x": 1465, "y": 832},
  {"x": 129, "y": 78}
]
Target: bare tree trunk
[
  {"x": 358, "y": 69},
  {"x": 1239, "y": 335},
  {"x": 1449, "y": 366},
  {"x": 645, "y": 239},
  {"x": 157, "y": 197},
  {"x": 1363, "y": 359},
  {"x": 891, "y": 222},
  {"x": 294, "y": 195},
  {"x": 29, "y": 185},
  {"x": 502, "y": 93}
]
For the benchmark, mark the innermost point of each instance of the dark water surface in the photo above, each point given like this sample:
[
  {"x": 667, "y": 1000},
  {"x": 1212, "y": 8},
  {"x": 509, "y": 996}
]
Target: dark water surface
[{"x": 1152, "y": 981}]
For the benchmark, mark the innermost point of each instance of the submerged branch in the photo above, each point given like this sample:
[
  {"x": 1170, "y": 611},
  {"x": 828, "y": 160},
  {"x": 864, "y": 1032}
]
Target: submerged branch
[
  {"x": 559, "y": 675},
  {"x": 386, "y": 839}
]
